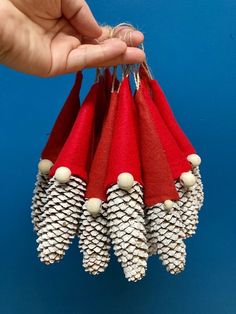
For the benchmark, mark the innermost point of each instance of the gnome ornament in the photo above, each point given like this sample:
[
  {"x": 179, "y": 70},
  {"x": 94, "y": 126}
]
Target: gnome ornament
[
  {"x": 65, "y": 197},
  {"x": 123, "y": 182},
  {"x": 94, "y": 240},
  {"x": 163, "y": 222},
  {"x": 57, "y": 138},
  {"x": 189, "y": 183}
]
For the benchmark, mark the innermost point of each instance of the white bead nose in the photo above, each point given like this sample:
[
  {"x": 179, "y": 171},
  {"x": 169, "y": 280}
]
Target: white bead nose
[
  {"x": 44, "y": 166},
  {"x": 187, "y": 179},
  {"x": 94, "y": 205},
  {"x": 168, "y": 204},
  {"x": 194, "y": 159},
  {"x": 62, "y": 174},
  {"x": 125, "y": 181}
]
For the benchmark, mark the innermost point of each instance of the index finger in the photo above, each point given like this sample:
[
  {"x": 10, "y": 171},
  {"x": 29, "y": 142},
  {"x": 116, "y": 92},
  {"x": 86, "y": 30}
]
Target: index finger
[{"x": 78, "y": 13}]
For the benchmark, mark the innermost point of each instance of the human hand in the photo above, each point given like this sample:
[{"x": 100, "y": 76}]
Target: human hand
[{"x": 51, "y": 37}]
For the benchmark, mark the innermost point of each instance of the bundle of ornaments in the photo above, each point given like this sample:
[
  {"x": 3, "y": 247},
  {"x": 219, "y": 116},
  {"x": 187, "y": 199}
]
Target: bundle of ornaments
[{"x": 118, "y": 171}]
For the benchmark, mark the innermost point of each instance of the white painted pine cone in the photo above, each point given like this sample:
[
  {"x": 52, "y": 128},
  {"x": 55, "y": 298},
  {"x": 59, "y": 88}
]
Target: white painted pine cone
[
  {"x": 165, "y": 236},
  {"x": 94, "y": 241},
  {"x": 127, "y": 230},
  {"x": 189, "y": 207},
  {"x": 199, "y": 186},
  {"x": 39, "y": 200},
  {"x": 61, "y": 219}
]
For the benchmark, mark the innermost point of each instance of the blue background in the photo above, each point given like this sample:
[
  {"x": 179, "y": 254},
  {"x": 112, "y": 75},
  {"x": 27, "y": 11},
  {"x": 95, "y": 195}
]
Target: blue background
[{"x": 191, "y": 47}]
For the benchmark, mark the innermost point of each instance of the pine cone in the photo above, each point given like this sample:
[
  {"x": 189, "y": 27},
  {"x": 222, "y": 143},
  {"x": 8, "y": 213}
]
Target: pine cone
[
  {"x": 61, "y": 219},
  {"x": 165, "y": 237},
  {"x": 190, "y": 202},
  {"x": 127, "y": 230},
  {"x": 199, "y": 186},
  {"x": 189, "y": 207},
  {"x": 39, "y": 200},
  {"x": 94, "y": 241}
]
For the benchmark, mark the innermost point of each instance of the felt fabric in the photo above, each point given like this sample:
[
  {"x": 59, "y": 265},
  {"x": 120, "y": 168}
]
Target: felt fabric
[
  {"x": 64, "y": 123},
  {"x": 97, "y": 174},
  {"x": 158, "y": 181},
  {"x": 176, "y": 159},
  {"x": 75, "y": 154},
  {"x": 168, "y": 115},
  {"x": 102, "y": 105},
  {"x": 109, "y": 81},
  {"x": 108, "y": 84},
  {"x": 124, "y": 153},
  {"x": 100, "y": 113}
]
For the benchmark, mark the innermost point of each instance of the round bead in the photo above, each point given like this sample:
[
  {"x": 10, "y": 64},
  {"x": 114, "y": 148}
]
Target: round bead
[
  {"x": 168, "y": 204},
  {"x": 125, "y": 181},
  {"x": 187, "y": 179},
  {"x": 94, "y": 205},
  {"x": 44, "y": 166},
  {"x": 62, "y": 174},
  {"x": 194, "y": 159}
]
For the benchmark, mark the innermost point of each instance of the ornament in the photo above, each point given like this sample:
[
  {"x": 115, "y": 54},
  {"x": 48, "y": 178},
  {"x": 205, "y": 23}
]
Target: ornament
[
  {"x": 65, "y": 197},
  {"x": 62, "y": 126},
  {"x": 118, "y": 171}
]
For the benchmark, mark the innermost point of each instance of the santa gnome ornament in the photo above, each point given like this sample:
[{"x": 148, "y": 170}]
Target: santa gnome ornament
[
  {"x": 65, "y": 195},
  {"x": 189, "y": 184},
  {"x": 120, "y": 173},
  {"x": 57, "y": 138}
]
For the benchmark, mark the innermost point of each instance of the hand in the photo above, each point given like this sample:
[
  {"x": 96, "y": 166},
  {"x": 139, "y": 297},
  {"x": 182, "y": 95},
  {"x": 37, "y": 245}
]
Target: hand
[{"x": 51, "y": 37}]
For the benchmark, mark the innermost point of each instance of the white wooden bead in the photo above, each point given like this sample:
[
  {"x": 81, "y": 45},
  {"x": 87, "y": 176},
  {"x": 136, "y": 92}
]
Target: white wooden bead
[
  {"x": 187, "y": 179},
  {"x": 94, "y": 205},
  {"x": 62, "y": 174},
  {"x": 168, "y": 204},
  {"x": 125, "y": 181},
  {"x": 194, "y": 159},
  {"x": 44, "y": 166}
]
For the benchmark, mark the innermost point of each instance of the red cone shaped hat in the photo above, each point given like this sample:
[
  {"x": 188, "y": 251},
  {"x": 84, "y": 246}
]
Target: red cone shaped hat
[
  {"x": 168, "y": 116},
  {"x": 124, "y": 153},
  {"x": 75, "y": 154},
  {"x": 97, "y": 174},
  {"x": 100, "y": 111},
  {"x": 158, "y": 181},
  {"x": 176, "y": 159},
  {"x": 108, "y": 83},
  {"x": 64, "y": 123}
]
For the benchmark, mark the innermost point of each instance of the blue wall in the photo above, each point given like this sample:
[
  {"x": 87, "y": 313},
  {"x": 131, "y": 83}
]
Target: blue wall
[{"x": 191, "y": 46}]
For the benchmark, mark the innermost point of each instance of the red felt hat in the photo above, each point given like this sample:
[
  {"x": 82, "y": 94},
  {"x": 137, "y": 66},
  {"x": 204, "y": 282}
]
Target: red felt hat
[
  {"x": 158, "y": 181},
  {"x": 64, "y": 123},
  {"x": 108, "y": 83},
  {"x": 97, "y": 174},
  {"x": 75, "y": 154},
  {"x": 176, "y": 159},
  {"x": 124, "y": 153},
  {"x": 168, "y": 116},
  {"x": 101, "y": 110}
]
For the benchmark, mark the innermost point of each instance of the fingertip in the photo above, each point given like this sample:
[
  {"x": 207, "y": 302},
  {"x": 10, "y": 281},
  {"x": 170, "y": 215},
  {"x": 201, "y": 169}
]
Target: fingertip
[
  {"x": 97, "y": 32},
  {"x": 135, "y": 55},
  {"x": 137, "y": 38}
]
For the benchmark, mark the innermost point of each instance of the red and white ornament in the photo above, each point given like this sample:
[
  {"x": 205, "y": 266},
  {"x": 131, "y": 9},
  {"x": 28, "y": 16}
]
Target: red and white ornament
[{"x": 122, "y": 173}]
